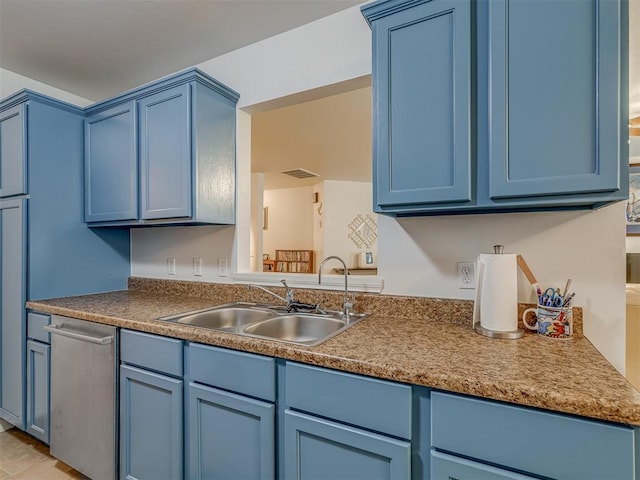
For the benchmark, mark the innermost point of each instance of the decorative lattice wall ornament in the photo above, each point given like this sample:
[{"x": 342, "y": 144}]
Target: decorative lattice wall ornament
[{"x": 363, "y": 230}]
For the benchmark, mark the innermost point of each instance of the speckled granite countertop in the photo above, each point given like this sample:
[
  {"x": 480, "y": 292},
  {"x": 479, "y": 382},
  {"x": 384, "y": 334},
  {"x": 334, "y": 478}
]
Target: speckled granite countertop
[{"x": 426, "y": 342}]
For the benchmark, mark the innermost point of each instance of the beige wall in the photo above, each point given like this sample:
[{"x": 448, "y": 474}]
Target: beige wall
[
  {"x": 290, "y": 220},
  {"x": 342, "y": 202}
]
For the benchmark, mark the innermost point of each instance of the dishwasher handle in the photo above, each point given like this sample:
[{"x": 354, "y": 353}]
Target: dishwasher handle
[{"x": 57, "y": 330}]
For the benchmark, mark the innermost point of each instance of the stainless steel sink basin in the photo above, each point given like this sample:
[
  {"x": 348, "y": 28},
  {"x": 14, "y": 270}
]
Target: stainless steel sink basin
[
  {"x": 298, "y": 328},
  {"x": 255, "y": 320},
  {"x": 225, "y": 317}
]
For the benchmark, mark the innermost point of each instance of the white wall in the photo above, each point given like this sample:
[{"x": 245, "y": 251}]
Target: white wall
[
  {"x": 330, "y": 50},
  {"x": 418, "y": 256},
  {"x": 11, "y": 82},
  {"x": 290, "y": 220},
  {"x": 415, "y": 256},
  {"x": 150, "y": 248}
]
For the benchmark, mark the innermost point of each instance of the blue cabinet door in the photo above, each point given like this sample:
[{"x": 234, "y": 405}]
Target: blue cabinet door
[
  {"x": 38, "y": 360},
  {"x": 13, "y": 151},
  {"x": 230, "y": 436},
  {"x": 12, "y": 311},
  {"x": 554, "y": 79},
  {"x": 422, "y": 103},
  {"x": 111, "y": 171},
  {"x": 316, "y": 448},
  {"x": 165, "y": 154},
  {"x": 151, "y": 425},
  {"x": 445, "y": 466}
]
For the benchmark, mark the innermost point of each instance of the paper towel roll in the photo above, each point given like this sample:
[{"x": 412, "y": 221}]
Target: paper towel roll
[{"x": 498, "y": 292}]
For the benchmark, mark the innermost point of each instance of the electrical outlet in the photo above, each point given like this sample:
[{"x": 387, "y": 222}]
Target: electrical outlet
[
  {"x": 223, "y": 267},
  {"x": 466, "y": 275},
  {"x": 197, "y": 266},
  {"x": 171, "y": 265}
]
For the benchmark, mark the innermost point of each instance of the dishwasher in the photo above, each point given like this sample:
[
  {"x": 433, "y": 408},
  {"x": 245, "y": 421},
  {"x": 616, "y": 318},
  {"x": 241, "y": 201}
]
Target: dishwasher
[{"x": 83, "y": 396}]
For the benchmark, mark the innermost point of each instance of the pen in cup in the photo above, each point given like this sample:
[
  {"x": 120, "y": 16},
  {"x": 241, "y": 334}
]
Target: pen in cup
[{"x": 568, "y": 299}]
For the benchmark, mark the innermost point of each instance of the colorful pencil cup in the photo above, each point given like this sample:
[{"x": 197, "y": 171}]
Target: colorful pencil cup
[{"x": 551, "y": 322}]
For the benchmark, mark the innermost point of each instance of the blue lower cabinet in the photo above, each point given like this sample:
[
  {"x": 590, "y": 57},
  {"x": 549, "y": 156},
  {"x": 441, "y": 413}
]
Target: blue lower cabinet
[
  {"x": 537, "y": 442},
  {"x": 229, "y": 436},
  {"x": 38, "y": 361},
  {"x": 448, "y": 467},
  {"x": 13, "y": 289},
  {"x": 316, "y": 448},
  {"x": 151, "y": 425}
]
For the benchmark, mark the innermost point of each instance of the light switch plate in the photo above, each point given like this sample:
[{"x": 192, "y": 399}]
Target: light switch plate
[
  {"x": 197, "y": 266},
  {"x": 223, "y": 267}
]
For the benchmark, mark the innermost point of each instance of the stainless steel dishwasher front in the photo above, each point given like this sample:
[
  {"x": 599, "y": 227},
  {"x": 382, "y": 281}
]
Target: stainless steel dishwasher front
[{"x": 83, "y": 396}]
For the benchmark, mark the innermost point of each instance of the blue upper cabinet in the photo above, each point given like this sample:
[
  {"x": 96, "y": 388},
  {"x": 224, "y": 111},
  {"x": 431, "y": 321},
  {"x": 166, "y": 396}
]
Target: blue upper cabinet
[
  {"x": 165, "y": 151},
  {"x": 555, "y": 110},
  {"x": 13, "y": 151},
  {"x": 111, "y": 175},
  {"x": 476, "y": 110},
  {"x": 422, "y": 72},
  {"x": 162, "y": 154}
]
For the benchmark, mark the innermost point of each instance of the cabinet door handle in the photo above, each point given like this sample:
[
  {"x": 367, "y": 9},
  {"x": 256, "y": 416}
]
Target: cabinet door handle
[{"x": 57, "y": 330}]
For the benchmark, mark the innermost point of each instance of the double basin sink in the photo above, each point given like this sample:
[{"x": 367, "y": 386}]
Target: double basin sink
[{"x": 271, "y": 323}]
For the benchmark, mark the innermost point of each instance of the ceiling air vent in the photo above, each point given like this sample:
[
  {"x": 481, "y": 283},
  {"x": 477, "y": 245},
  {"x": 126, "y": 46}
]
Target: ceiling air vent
[{"x": 300, "y": 173}]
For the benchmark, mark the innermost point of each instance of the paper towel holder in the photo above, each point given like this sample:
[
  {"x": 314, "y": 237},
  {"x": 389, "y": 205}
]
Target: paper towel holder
[
  {"x": 493, "y": 334},
  {"x": 477, "y": 327}
]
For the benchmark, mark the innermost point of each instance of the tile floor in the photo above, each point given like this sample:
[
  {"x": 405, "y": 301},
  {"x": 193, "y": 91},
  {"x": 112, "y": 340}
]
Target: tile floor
[{"x": 23, "y": 457}]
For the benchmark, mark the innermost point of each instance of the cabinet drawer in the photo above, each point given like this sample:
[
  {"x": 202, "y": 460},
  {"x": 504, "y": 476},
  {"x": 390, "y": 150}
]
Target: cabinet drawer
[
  {"x": 529, "y": 440},
  {"x": 448, "y": 466},
  {"x": 374, "y": 404},
  {"x": 152, "y": 351},
  {"x": 240, "y": 372},
  {"x": 35, "y": 322}
]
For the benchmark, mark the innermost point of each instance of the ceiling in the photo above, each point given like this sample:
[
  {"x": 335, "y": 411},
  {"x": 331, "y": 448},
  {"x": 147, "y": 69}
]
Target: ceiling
[{"x": 99, "y": 48}]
